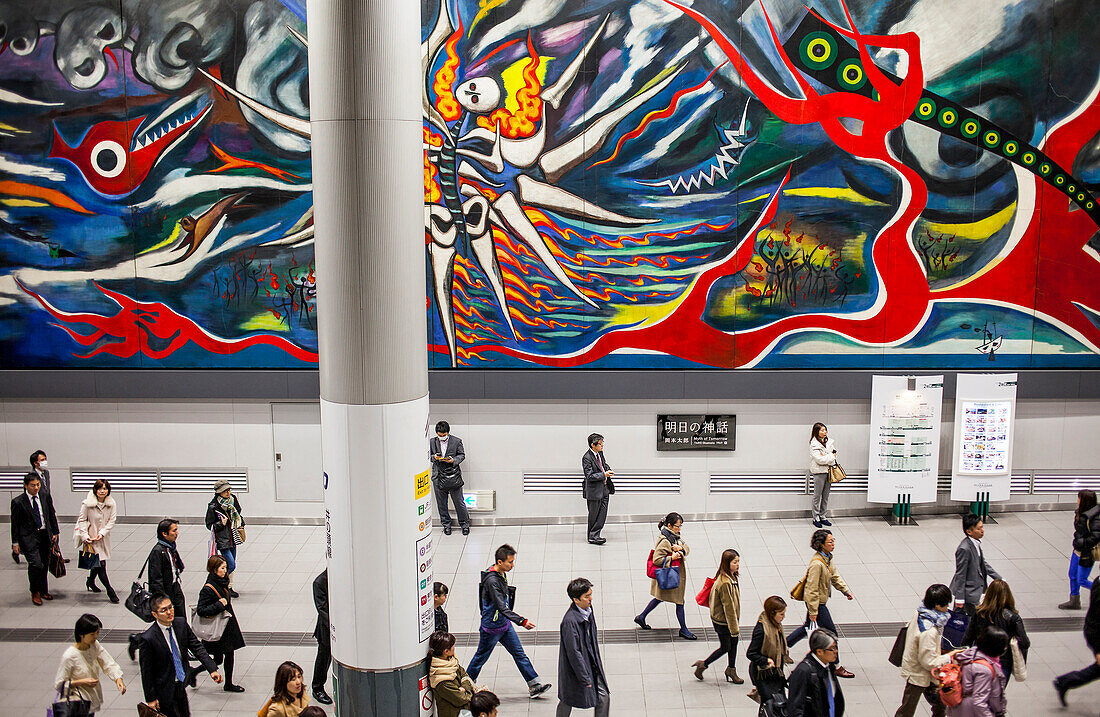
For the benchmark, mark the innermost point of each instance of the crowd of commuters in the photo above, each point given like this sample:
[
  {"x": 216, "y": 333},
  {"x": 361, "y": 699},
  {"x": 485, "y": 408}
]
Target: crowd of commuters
[{"x": 966, "y": 676}]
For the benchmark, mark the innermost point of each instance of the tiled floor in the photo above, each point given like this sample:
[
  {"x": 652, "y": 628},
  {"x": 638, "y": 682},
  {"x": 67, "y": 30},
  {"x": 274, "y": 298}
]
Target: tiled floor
[{"x": 888, "y": 569}]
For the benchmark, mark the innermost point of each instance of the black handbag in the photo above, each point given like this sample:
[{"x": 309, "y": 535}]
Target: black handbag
[
  {"x": 63, "y": 706},
  {"x": 57, "y": 563},
  {"x": 88, "y": 559},
  {"x": 897, "y": 652},
  {"x": 776, "y": 706},
  {"x": 140, "y": 599},
  {"x": 610, "y": 487},
  {"x": 448, "y": 477}
]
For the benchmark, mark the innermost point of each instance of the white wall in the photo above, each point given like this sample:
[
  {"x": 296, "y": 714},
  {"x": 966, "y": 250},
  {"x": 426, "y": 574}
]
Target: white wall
[{"x": 503, "y": 439}]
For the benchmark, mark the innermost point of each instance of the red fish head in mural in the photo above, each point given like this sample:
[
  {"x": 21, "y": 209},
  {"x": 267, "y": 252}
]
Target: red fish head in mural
[{"x": 115, "y": 156}]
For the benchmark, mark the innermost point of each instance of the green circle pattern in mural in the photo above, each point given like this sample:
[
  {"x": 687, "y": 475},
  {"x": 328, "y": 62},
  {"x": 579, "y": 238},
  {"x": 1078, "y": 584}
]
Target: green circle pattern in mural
[
  {"x": 948, "y": 117},
  {"x": 851, "y": 75},
  {"x": 926, "y": 108},
  {"x": 970, "y": 128},
  {"x": 818, "y": 50}
]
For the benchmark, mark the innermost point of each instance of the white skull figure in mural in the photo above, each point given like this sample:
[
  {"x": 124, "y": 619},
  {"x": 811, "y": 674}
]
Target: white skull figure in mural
[{"x": 462, "y": 219}]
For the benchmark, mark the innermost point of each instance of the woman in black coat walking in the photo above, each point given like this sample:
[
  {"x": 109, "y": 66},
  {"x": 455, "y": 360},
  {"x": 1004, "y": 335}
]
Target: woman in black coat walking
[
  {"x": 768, "y": 655},
  {"x": 214, "y": 598},
  {"x": 1086, "y": 536},
  {"x": 998, "y": 609}
]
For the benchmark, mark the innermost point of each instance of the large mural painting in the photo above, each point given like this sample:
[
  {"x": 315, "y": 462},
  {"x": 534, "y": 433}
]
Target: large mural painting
[{"x": 654, "y": 183}]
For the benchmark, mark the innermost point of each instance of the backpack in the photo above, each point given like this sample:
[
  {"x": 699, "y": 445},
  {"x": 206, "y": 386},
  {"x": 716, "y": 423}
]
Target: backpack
[{"x": 950, "y": 678}]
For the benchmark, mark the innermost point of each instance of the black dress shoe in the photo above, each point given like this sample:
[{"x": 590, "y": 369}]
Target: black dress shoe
[
  {"x": 687, "y": 635},
  {"x": 597, "y": 541},
  {"x": 640, "y": 622},
  {"x": 466, "y": 530},
  {"x": 446, "y": 530},
  {"x": 321, "y": 696},
  {"x": 132, "y": 649},
  {"x": 233, "y": 688}
]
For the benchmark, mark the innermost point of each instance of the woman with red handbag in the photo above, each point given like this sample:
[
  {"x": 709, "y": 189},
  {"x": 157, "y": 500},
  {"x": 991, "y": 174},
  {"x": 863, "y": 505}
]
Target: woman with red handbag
[
  {"x": 725, "y": 615},
  {"x": 668, "y": 556}
]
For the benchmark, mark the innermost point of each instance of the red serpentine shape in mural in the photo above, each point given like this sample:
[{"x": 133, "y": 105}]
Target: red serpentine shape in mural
[
  {"x": 903, "y": 293},
  {"x": 136, "y": 321}
]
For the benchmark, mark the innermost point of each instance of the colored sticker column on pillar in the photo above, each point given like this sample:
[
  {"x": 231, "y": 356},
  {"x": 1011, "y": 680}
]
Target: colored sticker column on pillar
[{"x": 422, "y": 491}]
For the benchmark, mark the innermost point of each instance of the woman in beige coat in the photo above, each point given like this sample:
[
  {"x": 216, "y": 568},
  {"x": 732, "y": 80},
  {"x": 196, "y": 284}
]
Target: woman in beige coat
[
  {"x": 670, "y": 547},
  {"x": 93, "y": 533},
  {"x": 725, "y": 615},
  {"x": 821, "y": 577}
]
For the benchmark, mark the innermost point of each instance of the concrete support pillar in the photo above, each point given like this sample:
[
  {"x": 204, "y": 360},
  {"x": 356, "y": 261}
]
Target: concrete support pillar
[{"x": 364, "y": 58}]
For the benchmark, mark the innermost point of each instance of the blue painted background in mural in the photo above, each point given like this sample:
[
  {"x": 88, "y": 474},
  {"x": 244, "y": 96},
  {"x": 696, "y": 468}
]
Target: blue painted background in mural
[{"x": 610, "y": 183}]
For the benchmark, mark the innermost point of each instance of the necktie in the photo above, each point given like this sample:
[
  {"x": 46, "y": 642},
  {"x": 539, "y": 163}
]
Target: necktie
[
  {"x": 981, "y": 563},
  {"x": 599, "y": 459},
  {"x": 37, "y": 513},
  {"x": 829, "y": 692},
  {"x": 176, "y": 662}
]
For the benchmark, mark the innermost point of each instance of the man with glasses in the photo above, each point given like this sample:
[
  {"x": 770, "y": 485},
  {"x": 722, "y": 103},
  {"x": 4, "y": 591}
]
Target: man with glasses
[
  {"x": 164, "y": 663},
  {"x": 813, "y": 689},
  {"x": 597, "y": 487}
]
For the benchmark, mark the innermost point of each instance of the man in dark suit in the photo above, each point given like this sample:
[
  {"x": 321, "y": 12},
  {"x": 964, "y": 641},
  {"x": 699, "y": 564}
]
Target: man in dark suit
[
  {"x": 1079, "y": 678},
  {"x": 39, "y": 468},
  {"x": 166, "y": 566},
  {"x": 582, "y": 682},
  {"x": 321, "y": 633},
  {"x": 597, "y": 487},
  {"x": 814, "y": 690},
  {"x": 972, "y": 570},
  {"x": 164, "y": 662},
  {"x": 446, "y": 454},
  {"x": 34, "y": 532}
]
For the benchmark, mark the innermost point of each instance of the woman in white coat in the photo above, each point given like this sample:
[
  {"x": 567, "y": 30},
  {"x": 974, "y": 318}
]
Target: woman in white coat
[
  {"x": 93, "y": 533},
  {"x": 822, "y": 457},
  {"x": 84, "y": 662}
]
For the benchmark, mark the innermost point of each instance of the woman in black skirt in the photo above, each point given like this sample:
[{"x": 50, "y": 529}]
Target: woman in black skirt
[{"x": 214, "y": 598}]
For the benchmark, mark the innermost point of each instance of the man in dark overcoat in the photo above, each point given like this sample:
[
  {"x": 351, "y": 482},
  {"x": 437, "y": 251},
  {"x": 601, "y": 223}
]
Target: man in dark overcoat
[{"x": 582, "y": 682}]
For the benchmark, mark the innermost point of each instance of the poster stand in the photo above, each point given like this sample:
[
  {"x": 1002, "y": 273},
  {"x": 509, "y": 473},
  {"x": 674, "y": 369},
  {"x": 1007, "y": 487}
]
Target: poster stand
[
  {"x": 980, "y": 507},
  {"x": 901, "y": 513}
]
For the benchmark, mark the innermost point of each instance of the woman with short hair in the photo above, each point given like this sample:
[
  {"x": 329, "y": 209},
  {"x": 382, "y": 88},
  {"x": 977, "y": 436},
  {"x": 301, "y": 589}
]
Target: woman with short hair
[
  {"x": 215, "y": 599},
  {"x": 821, "y": 578},
  {"x": 1086, "y": 536},
  {"x": 669, "y": 548},
  {"x": 922, "y": 652},
  {"x": 93, "y": 533},
  {"x": 84, "y": 661}
]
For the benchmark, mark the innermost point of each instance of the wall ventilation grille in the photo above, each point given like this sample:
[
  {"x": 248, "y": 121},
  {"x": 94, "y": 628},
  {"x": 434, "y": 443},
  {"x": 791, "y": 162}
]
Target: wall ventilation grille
[
  {"x": 140, "y": 480},
  {"x": 721, "y": 483},
  {"x": 625, "y": 483}
]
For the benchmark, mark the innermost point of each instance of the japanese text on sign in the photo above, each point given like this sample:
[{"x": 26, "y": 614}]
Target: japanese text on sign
[{"x": 695, "y": 432}]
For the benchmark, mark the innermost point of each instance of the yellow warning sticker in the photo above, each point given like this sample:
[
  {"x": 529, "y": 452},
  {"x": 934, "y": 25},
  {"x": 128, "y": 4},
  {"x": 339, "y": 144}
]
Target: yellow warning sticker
[{"x": 423, "y": 484}]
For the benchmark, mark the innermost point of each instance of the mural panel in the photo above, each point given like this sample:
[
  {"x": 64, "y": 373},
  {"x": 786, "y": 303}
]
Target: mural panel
[{"x": 651, "y": 183}]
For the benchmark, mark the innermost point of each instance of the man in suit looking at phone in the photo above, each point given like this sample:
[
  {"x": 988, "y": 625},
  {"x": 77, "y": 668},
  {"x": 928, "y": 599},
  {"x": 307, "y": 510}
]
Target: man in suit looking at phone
[
  {"x": 447, "y": 453},
  {"x": 598, "y": 487}
]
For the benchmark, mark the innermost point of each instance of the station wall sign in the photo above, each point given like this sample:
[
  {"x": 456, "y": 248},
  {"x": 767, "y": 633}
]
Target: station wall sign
[{"x": 696, "y": 432}]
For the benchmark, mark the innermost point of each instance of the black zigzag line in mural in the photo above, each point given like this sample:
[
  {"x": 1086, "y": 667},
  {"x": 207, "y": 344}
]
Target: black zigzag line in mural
[{"x": 828, "y": 57}]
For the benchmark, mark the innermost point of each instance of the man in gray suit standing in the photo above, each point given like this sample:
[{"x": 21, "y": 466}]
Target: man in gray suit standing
[
  {"x": 972, "y": 570},
  {"x": 597, "y": 487},
  {"x": 446, "y": 454}
]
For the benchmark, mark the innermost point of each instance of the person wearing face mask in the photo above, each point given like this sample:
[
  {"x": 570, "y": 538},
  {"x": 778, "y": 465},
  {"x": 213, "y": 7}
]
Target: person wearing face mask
[
  {"x": 40, "y": 468},
  {"x": 34, "y": 533},
  {"x": 669, "y": 548},
  {"x": 92, "y": 533}
]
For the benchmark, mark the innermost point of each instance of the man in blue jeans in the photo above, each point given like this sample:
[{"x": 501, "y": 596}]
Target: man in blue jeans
[{"x": 496, "y": 600}]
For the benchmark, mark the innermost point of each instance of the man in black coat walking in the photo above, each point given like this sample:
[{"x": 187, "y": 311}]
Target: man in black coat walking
[
  {"x": 164, "y": 664},
  {"x": 813, "y": 689},
  {"x": 34, "y": 532},
  {"x": 1078, "y": 678},
  {"x": 582, "y": 682},
  {"x": 321, "y": 634},
  {"x": 165, "y": 566}
]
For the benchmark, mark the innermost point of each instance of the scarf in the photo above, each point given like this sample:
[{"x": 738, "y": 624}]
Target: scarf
[
  {"x": 220, "y": 585},
  {"x": 672, "y": 537},
  {"x": 937, "y": 618},
  {"x": 173, "y": 554},
  {"x": 775, "y": 644},
  {"x": 442, "y": 670},
  {"x": 231, "y": 510}
]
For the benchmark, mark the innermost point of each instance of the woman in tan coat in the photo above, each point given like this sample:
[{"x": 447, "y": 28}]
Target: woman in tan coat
[
  {"x": 93, "y": 533},
  {"x": 289, "y": 699},
  {"x": 725, "y": 615},
  {"x": 821, "y": 577},
  {"x": 670, "y": 547}
]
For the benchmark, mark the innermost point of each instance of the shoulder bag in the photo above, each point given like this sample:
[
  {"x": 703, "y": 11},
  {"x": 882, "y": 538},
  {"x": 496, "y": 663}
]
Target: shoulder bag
[
  {"x": 1019, "y": 664},
  {"x": 140, "y": 599},
  {"x": 836, "y": 473},
  {"x": 798, "y": 592},
  {"x": 208, "y": 629},
  {"x": 57, "y": 562},
  {"x": 88, "y": 558},
  {"x": 668, "y": 576},
  {"x": 897, "y": 652},
  {"x": 703, "y": 598}
]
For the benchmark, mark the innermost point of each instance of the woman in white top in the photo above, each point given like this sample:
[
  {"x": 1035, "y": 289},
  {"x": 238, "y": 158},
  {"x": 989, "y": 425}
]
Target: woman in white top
[
  {"x": 822, "y": 457},
  {"x": 84, "y": 661},
  {"x": 93, "y": 532}
]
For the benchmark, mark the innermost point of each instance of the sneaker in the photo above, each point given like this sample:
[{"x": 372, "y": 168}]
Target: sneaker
[
  {"x": 466, "y": 530},
  {"x": 446, "y": 530},
  {"x": 826, "y": 522},
  {"x": 817, "y": 523},
  {"x": 538, "y": 688}
]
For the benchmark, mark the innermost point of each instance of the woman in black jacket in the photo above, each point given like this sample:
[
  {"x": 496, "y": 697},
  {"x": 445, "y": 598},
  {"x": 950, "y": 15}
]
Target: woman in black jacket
[
  {"x": 214, "y": 599},
  {"x": 998, "y": 609},
  {"x": 1086, "y": 535},
  {"x": 223, "y": 516},
  {"x": 767, "y": 653}
]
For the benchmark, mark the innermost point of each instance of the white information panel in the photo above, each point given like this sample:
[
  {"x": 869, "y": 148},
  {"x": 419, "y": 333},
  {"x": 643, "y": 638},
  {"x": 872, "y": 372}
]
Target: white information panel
[
  {"x": 985, "y": 411},
  {"x": 905, "y": 438}
]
